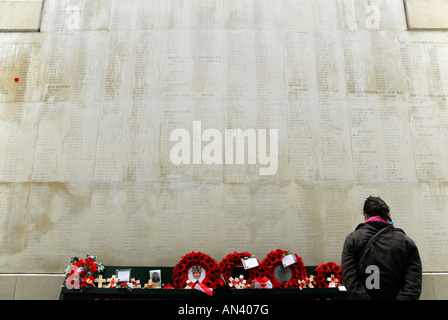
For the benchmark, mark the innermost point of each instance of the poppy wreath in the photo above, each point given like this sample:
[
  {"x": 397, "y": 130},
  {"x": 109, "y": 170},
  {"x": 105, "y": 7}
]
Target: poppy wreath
[
  {"x": 273, "y": 260},
  {"x": 325, "y": 271},
  {"x": 233, "y": 260},
  {"x": 180, "y": 272}
]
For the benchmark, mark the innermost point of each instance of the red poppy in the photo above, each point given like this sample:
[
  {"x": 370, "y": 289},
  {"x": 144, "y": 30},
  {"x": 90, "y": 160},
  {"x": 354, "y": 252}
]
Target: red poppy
[
  {"x": 88, "y": 262},
  {"x": 93, "y": 268}
]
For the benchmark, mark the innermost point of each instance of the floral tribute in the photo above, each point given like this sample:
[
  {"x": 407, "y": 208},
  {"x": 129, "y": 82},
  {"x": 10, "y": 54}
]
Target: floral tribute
[
  {"x": 81, "y": 273},
  {"x": 196, "y": 267},
  {"x": 274, "y": 260},
  {"x": 328, "y": 275},
  {"x": 307, "y": 283},
  {"x": 199, "y": 271},
  {"x": 131, "y": 285},
  {"x": 232, "y": 261},
  {"x": 239, "y": 283}
]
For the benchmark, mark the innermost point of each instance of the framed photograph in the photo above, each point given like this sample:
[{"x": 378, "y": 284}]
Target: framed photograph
[{"x": 156, "y": 277}]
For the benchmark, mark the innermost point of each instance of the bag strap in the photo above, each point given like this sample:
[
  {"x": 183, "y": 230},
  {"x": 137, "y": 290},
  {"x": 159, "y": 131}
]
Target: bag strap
[{"x": 372, "y": 240}]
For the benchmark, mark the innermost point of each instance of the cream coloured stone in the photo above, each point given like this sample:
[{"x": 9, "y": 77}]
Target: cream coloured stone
[
  {"x": 20, "y": 15},
  {"x": 427, "y": 14},
  {"x": 359, "y": 104}
]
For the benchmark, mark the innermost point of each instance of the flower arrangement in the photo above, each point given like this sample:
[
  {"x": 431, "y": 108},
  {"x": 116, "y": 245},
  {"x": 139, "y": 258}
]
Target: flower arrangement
[
  {"x": 274, "y": 259},
  {"x": 81, "y": 273},
  {"x": 230, "y": 262},
  {"x": 307, "y": 283},
  {"x": 328, "y": 275},
  {"x": 197, "y": 270},
  {"x": 131, "y": 285},
  {"x": 197, "y": 267}
]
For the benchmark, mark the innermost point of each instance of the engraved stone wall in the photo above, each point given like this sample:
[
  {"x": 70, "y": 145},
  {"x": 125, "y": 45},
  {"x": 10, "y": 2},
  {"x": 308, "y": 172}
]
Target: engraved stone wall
[{"x": 88, "y": 106}]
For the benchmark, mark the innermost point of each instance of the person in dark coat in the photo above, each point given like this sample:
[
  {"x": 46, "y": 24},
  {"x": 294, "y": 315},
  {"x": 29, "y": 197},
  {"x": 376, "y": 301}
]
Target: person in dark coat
[{"x": 390, "y": 268}]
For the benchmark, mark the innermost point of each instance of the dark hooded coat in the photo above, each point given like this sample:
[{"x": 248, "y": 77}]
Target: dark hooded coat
[{"x": 395, "y": 255}]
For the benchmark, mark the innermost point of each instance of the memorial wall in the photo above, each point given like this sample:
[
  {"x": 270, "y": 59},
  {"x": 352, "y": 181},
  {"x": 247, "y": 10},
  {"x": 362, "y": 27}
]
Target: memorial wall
[{"x": 141, "y": 130}]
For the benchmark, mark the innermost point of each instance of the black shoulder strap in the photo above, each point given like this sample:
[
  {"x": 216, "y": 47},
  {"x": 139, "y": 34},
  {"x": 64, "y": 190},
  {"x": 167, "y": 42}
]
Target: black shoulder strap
[{"x": 372, "y": 240}]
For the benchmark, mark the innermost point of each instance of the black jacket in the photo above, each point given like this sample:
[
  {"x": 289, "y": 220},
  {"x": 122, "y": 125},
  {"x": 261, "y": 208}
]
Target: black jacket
[{"x": 395, "y": 255}]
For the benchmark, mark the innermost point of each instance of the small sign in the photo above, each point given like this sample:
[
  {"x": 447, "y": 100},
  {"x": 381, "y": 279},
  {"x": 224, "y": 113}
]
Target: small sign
[
  {"x": 249, "y": 263},
  {"x": 124, "y": 275},
  {"x": 288, "y": 260}
]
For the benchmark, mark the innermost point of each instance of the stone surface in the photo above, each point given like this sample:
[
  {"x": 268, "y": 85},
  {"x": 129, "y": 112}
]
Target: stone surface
[
  {"x": 360, "y": 105},
  {"x": 427, "y": 14},
  {"x": 20, "y": 15}
]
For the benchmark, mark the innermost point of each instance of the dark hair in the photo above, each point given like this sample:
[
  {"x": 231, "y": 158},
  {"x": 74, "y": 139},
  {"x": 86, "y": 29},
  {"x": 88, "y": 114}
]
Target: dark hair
[{"x": 375, "y": 206}]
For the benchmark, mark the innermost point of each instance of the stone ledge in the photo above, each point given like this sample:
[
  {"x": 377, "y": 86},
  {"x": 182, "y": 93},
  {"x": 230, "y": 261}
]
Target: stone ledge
[{"x": 48, "y": 287}]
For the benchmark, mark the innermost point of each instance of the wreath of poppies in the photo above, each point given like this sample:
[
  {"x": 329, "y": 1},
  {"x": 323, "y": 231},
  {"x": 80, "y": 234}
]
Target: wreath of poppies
[
  {"x": 192, "y": 259},
  {"x": 232, "y": 261},
  {"x": 273, "y": 260},
  {"x": 327, "y": 273}
]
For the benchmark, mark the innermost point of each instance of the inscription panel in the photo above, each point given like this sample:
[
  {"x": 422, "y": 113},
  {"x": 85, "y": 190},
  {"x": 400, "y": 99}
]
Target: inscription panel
[{"x": 358, "y": 103}]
